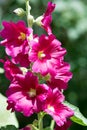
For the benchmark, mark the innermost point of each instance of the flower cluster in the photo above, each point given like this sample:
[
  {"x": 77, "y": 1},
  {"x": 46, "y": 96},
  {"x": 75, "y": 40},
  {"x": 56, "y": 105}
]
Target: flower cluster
[{"x": 36, "y": 69}]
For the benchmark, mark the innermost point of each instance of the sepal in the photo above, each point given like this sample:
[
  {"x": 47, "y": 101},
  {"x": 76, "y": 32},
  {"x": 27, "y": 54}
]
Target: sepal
[{"x": 38, "y": 20}]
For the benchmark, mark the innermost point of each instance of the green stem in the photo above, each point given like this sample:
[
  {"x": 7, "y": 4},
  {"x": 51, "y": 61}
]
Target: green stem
[
  {"x": 40, "y": 121},
  {"x": 52, "y": 124},
  {"x": 34, "y": 128},
  {"x": 29, "y": 16},
  {"x": 27, "y": 11}
]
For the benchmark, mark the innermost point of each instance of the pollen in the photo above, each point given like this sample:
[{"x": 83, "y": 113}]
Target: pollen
[
  {"x": 22, "y": 36},
  {"x": 32, "y": 92},
  {"x": 41, "y": 55}
]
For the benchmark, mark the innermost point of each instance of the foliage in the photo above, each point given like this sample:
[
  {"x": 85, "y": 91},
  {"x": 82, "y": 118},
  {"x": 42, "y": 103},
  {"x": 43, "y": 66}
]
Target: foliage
[
  {"x": 78, "y": 117},
  {"x": 7, "y": 118},
  {"x": 9, "y": 127}
]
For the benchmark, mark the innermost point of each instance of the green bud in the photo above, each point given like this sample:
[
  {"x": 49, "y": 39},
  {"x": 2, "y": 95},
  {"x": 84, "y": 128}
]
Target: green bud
[
  {"x": 30, "y": 20},
  {"x": 19, "y": 12},
  {"x": 24, "y": 70},
  {"x": 1, "y": 70},
  {"x": 38, "y": 20}
]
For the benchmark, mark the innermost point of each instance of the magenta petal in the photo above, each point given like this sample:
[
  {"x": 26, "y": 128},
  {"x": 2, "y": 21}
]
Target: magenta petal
[
  {"x": 47, "y": 17},
  {"x": 56, "y": 109},
  {"x": 11, "y": 69},
  {"x": 65, "y": 126},
  {"x": 25, "y": 106},
  {"x": 39, "y": 67}
]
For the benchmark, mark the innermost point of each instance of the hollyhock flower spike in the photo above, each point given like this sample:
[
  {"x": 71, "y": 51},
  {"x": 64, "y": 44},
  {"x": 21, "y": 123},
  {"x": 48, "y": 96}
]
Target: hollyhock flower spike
[
  {"x": 37, "y": 72},
  {"x": 46, "y": 53},
  {"x": 26, "y": 95},
  {"x": 47, "y": 17},
  {"x": 16, "y": 38},
  {"x": 54, "y": 107}
]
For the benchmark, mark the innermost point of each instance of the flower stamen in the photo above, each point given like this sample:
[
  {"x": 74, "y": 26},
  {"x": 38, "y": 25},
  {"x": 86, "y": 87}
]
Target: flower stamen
[
  {"x": 22, "y": 36},
  {"x": 41, "y": 55},
  {"x": 32, "y": 92}
]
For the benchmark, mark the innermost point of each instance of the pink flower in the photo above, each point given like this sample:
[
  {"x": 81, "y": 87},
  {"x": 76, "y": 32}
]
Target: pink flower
[
  {"x": 47, "y": 17},
  {"x": 63, "y": 72},
  {"x": 54, "y": 106},
  {"x": 26, "y": 95},
  {"x": 16, "y": 36},
  {"x": 65, "y": 126},
  {"x": 46, "y": 53},
  {"x": 60, "y": 77},
  {"x": 22, "y": 59},
  {"x": 11, "y": 69}
]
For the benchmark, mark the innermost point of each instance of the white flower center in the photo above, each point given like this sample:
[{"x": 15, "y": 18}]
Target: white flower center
[
  {"x": 32, "y": 92},
  {"x": 24, "y": 70},
  {"x": 51, "y": 108}
]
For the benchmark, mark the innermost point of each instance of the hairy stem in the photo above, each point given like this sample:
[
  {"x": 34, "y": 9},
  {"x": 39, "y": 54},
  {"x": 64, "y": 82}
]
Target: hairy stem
[
  {"x": 52, "y": 124},
  {"x": 29, "y": 16},
  {"x": 40, "y": 121}
]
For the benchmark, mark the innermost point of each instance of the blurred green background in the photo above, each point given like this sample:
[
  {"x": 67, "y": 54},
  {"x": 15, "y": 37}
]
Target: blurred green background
[{"x": 70, "y": 27}]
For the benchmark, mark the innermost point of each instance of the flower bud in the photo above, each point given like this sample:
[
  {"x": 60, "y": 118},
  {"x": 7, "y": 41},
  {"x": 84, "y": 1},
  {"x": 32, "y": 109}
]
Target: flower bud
[
  {"x": 38, "y": 20},
  {"x": 1, "y": 70},
  {"x": 30, "y": 20},
  {"x": 19, "y": 12},
  {"x": 24, "y": 70}
]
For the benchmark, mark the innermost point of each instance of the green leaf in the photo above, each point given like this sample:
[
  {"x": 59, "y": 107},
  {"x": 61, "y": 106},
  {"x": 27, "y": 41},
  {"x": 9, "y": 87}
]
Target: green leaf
[
  {"x": 6, "y": 117},
  {"x": 78, "y": 116},
  {"x": 8, "y": 127}
]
